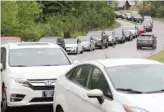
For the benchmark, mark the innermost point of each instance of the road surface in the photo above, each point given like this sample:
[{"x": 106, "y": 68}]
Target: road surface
[{"x": 127, "y": 50}]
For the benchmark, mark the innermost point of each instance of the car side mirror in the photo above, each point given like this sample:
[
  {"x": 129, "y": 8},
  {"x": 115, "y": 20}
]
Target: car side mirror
[
  {"x": 96, "y": 93},
  {"x": 76, "y": 61}
]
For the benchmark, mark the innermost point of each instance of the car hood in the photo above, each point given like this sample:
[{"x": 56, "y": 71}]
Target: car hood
[
  {"x": 71, "y": 45},
  {"x": 42, "y": 72},
  {"x": 149, "y": 102}
]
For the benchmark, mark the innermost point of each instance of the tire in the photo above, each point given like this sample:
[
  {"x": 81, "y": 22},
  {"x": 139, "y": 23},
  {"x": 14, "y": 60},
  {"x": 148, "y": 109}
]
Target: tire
[
  {"x": 106, "y": 45},
  {"x": 82, "y": 51},
  {"x": 4, "y": 107},
  {"x": 59, "y": 109},
  {"x": 101, "y": 47}
]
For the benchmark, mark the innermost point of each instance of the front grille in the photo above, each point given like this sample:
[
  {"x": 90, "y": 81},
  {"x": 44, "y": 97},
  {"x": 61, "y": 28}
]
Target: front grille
[
  {"x": 40, "y": 99},
  {"x": 39, "y": 84}
]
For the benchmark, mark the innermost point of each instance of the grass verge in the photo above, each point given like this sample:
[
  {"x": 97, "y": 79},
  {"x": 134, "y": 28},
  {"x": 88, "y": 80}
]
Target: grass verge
[
  {"x": 113, "y": 26},
  {"x": 159, "y": 19},
  {"x": 159, "y": 56}
]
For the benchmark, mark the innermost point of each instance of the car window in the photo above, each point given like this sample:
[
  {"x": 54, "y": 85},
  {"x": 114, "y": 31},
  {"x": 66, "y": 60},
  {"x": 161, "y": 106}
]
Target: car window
[
  {"x": 97, "y": 81},
  {"x": 80, "y": 75},
  {"x": 60, "y": 40}
]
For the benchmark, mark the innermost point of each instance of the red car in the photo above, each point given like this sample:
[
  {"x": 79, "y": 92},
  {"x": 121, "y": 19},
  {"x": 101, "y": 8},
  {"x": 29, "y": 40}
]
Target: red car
[
  {"x": 10, "y": 39},
  {"x": 141, "y": 29}
]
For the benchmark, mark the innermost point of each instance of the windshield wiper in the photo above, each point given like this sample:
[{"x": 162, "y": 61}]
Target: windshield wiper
[
  {"x": 129, "y": 90},
  {"x": 157, "y": 91}
]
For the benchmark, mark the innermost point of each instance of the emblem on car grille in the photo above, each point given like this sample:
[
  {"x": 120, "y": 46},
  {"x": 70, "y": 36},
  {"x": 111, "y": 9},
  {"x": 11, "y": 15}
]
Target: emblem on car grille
[{"x": 48, "y": 82}]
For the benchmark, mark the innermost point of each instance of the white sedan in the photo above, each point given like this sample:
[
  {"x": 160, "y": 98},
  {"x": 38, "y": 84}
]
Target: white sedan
[
  {"x": 111, "y": 85},
  {"x": 73, "y": 46}
]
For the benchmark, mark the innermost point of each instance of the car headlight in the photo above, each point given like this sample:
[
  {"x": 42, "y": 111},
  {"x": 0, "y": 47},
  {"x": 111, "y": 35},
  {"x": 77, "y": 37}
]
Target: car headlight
[
  {"x": 23, "y": 82},
  {"x": 133, "y": 109}
]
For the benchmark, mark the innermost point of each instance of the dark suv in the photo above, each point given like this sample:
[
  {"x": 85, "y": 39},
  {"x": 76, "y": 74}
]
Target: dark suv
[
  {"x": 147, "y": 40},
  {"x": 55, "y": 40},
  {"x": 100, "y": 37}
]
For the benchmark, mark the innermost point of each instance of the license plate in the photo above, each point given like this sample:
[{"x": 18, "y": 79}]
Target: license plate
[{"x": 48, "y": 93}]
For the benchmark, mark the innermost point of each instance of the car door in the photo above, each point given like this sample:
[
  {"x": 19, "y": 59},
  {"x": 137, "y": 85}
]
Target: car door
[
  {"x": 97, "y": 80},
  {"x": 76, "y": 91}
]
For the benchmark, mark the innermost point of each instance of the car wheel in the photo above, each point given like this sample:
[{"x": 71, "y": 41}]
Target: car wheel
[
  {"x": 101, "y": 47},
  {"x": 4, "y": 107},
  {"x": 59, "y": 109},
  {"x": 106, "y": 45},
  {"x": 82, "y": 51}
]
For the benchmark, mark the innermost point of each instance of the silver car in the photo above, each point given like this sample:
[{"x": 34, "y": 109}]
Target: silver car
[
  {"x": 111, "y": 39},
  {"x": 133, "y": 29},
  {"x": 87, "y": 42}
]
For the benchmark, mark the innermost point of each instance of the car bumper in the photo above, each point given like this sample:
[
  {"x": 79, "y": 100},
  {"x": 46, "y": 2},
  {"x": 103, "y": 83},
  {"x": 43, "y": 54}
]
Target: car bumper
[
  {"x": 31, "y": 97},
  {"x": 86, "y": 48},
  {"x": 71, "y": 51},
  {"x": 98, "y": 44},
  {"x": 144, "y": 44}
]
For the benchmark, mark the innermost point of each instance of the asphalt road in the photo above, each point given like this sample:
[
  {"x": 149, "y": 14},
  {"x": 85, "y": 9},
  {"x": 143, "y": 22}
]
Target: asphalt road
[{"x": 127, "y": 50}]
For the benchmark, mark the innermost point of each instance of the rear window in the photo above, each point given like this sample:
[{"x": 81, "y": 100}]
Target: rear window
[{"x": 146, "y": 36}]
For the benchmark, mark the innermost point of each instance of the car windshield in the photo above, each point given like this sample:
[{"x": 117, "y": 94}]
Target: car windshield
[
  {"x": 145, "y": 36},
  {"x": 5, "y": 41},
  {"x": 84, "y": 38},
  {"x": 144, "y": 78},
  {"x": 129, "y": 28},
  {"x": 37, "y": 57},
  {"x": 147, "y": 22},
  {"x": 48, "y": 39},
  {"x": 70, "y": 41}
]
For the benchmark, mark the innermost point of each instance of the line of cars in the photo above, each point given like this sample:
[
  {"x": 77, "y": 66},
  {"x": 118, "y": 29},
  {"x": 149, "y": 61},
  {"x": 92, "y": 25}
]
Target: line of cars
[
  {"x": 94, "y": 39},
  {"x": 146, "y": 25}
]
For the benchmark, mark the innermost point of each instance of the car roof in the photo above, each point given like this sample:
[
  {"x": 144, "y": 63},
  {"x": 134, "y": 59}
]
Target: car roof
[
  {"x": 9, "y": 37},
  {"x": 126, "y": 61},
  {"x": 21, "y": 45}
]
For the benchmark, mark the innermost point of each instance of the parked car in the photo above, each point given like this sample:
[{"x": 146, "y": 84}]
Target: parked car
[
  {"x": 147, "y": 25},
  {"x": 54, "y": 39},
  {"x": 100, "y": 38},
  {"x": 29, "y": 71},
  {"x": 73, "y": 46},
  {"x": 147, "y": 40},
  {"x": 133, "y": 29},
  {"x": 141, "y": 29},
  {"x": 137, "y": 17},
  {"x": 10, "y": 39},
  {"x": 123, "y": 15},
  {"x": 111, "y": 85},
  {"x": 148, "y": 18},
  {"x": 128, "y": 35},
  {"x": 118, "y": 14},
  {"x": 128, "y": 16},
  {"x": 120, "y": 37},
  {"x": 87, "y": 42},
  {"x": 111, "y": 39}
]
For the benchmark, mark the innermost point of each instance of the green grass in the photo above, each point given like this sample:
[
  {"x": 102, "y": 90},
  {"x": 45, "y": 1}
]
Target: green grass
[
  {"x": 113, "y": 26},
  {"x": 159, "y": 56},
  {"x": 159, "y": 19}
]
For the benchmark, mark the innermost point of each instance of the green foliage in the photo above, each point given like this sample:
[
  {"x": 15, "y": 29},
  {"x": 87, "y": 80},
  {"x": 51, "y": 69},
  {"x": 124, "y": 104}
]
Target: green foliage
[
  {"x": 30, "y": 20},
  {"x": 155, "y": 10}
]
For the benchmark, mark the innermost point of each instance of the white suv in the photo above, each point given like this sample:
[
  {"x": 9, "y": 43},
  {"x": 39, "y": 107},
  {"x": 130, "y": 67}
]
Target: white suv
[{"x": 29, "y": 71}]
